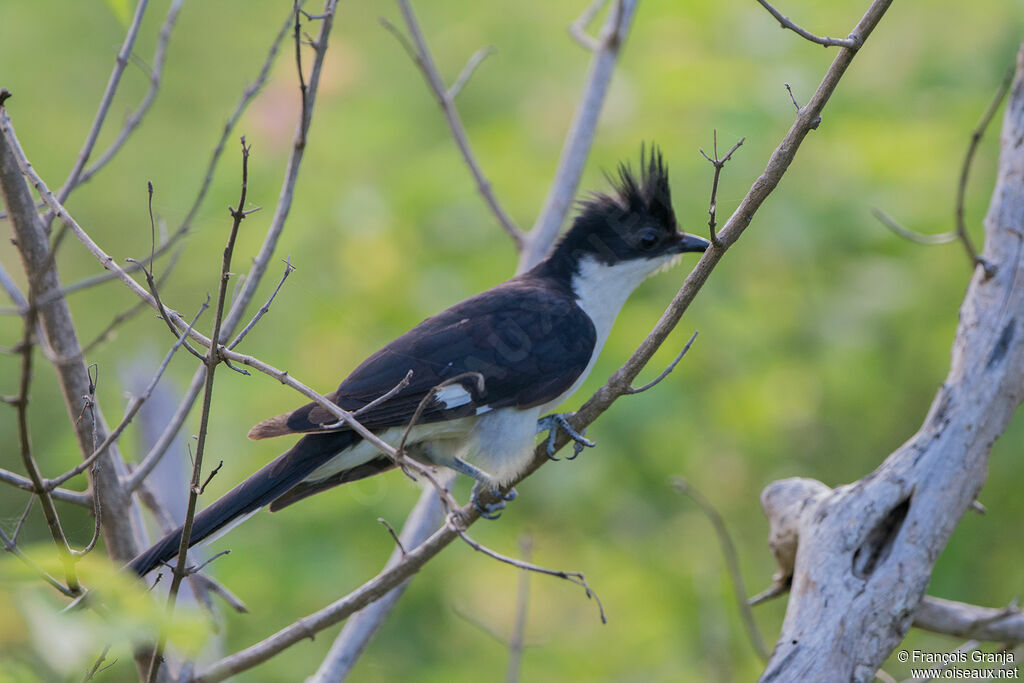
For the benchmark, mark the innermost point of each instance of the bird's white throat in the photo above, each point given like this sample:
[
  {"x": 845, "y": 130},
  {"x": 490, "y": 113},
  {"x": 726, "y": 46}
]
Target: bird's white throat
[{"x": 602, "y": 289}]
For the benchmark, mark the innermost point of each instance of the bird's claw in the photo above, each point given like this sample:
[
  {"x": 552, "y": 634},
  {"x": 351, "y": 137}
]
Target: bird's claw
[
  {"x": 552, "y": 423},
  {"x": 491, "y": 510}
]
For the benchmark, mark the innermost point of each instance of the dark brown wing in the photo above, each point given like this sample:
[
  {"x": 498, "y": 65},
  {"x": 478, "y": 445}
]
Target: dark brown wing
[{"x": 529, "y": 344}]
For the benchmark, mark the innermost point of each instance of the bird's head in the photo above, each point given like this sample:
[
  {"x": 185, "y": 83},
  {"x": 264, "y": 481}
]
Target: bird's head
[{"x": 632, "y": 231}]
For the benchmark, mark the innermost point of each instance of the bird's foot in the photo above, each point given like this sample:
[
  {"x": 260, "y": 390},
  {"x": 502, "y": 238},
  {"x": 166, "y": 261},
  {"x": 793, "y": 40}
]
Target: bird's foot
[
  {"x": 551, "y": 424},
  {"x": 490, "y": 510}
]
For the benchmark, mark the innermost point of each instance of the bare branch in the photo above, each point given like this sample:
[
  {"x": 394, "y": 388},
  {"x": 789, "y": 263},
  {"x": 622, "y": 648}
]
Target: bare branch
[
  {"x": 97, "y": 512},
  {"x": 912, "y": 235},
  {"x": 572, "y": 577},
  {"x": 82, "y": 499},
  {"x": 667, "y": 371},
  {"x": 718, "y": 164},
  {"x": 130, "y": 413},
  {"x": 247, "y": 96},
  {"x": 970, "y": 621},
  {"x": 423, "y": 59},
  {"x": 580, "y": 137},
  {"x": 732, "y": 561},
  {"x": 385, "y": 397},
  {"x": 155, "y": 75},
  {"x": 120, "y": 63},
  {"x": 212, "y": 360},
  {"x": 12, "y": 547},
  {"x": 518, "y": 640},
  {"x": 467, "y": 71},
  {"x": 852, "y": 43},
  {"x": 578, "y": 28},
  {"x": 426, "y": 516},
  {"x": 965, "y": 172},
  {"x": 265, "y": 308}
]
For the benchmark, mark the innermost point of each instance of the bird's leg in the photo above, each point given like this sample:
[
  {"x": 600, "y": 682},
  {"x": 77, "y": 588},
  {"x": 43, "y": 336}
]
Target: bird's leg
[
  {"x": 551, "y": 424},
  {"x": 484, "y": 482}
]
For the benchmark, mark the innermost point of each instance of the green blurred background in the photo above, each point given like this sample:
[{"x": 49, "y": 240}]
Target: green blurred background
[{"x": 823, "y": 336}]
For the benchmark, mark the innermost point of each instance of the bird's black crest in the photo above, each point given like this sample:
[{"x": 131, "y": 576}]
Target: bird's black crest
[
  {"x": 649, "y": 194},
  {"x": 635, "y": 220}
]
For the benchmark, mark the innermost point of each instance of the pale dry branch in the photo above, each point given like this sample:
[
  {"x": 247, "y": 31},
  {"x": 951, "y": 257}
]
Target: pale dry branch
[
  {"x": 245, "y": 99},
  {"x": 113, "y": 82},
  {"x": 580, "y": 137},
  {"x": 155, "y": 76},
  {"x": 868, "y": 549},
  {"x": 467, "y": 71},
  {"x": 732, "y": 562},
  {"x": 420, "y": 53},
  {"x": 572, "y": 577},
  {"x": 578, "y": 28},
  {"x": 853, "y": 42}
]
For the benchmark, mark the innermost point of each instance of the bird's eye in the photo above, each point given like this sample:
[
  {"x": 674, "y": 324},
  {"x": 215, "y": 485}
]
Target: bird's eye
[{"x": 648, "y": 238}]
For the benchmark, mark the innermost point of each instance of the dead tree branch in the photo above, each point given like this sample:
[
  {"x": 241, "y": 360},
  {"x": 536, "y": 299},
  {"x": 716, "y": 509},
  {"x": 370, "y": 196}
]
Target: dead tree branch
[{"x": 867, "y": 549}]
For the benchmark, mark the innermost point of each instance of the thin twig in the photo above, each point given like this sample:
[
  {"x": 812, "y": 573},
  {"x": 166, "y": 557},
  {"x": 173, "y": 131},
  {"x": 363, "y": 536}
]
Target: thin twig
[
  {"x": 719, "y": 164},
  {"x": 120, "y": 63},
  {"x": 912, "y": 235},
  {"x": 666, "y": 371},
  {"x": 133, "y": 311},
  {"x": 394, "y": 535},
  {"x": 212, "y": 360},
  {"x": 467, "y": 71},
  {"x": 423, "y": 59},
  {"x": 130, "y": 413},
  {"x": 95, "y": 669},
  {"x": 965, "y": 171},
  {"x": 155, "y": 75},
  {"x": 229, "y": 126},
  {"x": 578, "y": 141},
  {"x": 209, "y": 478},
  {"x": 386, "y": 396},
  {"x": 517, "y": 641},
  {"x": 265, "y": 308},
  {"x": 21, "y": 520},
  {"x": 732, "y": 562},
  {"x": 27, "y": 459},
  {"x": 851, "y": 43},
  {"x": 572, "y": 577},
  {"x": 80, "y": 498},
  {"x": 12, "y": 547},
  {"x": 578, "y": 28},
  {"x": 304, "y": 103},
  {"x": 97, "y": 511}
]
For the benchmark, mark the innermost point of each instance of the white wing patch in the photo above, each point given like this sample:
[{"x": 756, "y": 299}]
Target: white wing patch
[{"x": 453, "y": 396}]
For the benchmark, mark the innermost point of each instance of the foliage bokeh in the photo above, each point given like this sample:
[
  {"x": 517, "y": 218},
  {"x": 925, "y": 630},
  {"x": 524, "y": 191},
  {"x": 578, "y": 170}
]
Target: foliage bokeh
[{"x": 823, "y": 336}]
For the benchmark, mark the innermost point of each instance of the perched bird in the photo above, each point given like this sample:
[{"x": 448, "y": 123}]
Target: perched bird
[{"x": 505, "y": 357}]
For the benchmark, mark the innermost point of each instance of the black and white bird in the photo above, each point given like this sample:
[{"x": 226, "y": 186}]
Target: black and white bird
[{"x": 509, "y": 354}]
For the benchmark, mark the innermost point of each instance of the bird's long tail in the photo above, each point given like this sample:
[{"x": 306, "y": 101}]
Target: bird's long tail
[{"x": 262, "y": 488}]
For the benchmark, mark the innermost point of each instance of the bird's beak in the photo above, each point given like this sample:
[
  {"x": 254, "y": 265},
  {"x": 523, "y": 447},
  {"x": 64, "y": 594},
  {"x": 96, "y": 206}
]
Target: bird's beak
[{"x": 688, "y": 243}]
